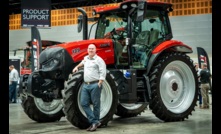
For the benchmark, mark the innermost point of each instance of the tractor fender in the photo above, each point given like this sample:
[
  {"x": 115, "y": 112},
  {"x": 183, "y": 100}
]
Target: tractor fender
[{"x": 169, "y": 46}]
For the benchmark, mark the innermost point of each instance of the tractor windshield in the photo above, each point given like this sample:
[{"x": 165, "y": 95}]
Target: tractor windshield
[{"x": 111, "y": 26}]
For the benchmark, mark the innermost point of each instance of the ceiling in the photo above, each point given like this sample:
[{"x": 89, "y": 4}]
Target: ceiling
[{"x": 15, "y": 5}]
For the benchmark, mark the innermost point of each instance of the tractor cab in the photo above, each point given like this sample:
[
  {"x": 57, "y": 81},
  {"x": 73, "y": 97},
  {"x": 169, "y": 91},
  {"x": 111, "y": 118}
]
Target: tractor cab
[{"x": 136, "y": 28}]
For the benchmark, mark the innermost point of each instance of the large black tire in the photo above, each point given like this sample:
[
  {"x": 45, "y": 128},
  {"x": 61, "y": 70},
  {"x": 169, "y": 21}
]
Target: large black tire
[
  {"x": 71, "y": 96},
  {"x": 41, "y": 111},
  {"x": 36, "y": 108},
  {"x": 174, "y": 87},
  {"x": 126, "y": 110}
]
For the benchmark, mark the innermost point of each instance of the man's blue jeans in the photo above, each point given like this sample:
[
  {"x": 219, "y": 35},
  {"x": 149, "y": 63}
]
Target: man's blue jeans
[
  {"x": 91, "y": 94},
  {"x": 12, "y": 91}
]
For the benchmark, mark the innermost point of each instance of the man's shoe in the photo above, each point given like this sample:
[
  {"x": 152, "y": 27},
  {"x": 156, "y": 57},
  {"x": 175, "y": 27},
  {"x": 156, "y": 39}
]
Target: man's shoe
[
  {"x": 94, "y": 127},
  {"x": 204, "y": 107},
  {"x": 98, "y": 124},
  {"x": 88, "y": 129}
]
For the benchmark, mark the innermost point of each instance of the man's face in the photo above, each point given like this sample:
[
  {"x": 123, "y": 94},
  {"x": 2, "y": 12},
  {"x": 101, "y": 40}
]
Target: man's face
[
  {"x": 203, "y": 66},
  {"x": 91, "y": 50}
]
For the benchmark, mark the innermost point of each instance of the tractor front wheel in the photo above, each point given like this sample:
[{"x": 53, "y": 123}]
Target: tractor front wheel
[{"x": 73, "y": 109}]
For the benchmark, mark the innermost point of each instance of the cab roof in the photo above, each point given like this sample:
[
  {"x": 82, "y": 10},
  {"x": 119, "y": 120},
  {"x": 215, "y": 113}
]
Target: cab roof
[{"x": 102, "y": 9}]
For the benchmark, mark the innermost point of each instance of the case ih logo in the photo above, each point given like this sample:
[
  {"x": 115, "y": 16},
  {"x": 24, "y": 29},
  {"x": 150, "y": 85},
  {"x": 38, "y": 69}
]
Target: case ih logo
[
  {"x": 76, "y": 50},
  {"x": 104, "y": 45},
  {"x": 203, "y": 59}
]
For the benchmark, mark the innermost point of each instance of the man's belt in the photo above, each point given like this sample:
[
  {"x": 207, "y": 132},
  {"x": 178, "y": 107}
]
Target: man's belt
[{"x": 92, "y": 82}]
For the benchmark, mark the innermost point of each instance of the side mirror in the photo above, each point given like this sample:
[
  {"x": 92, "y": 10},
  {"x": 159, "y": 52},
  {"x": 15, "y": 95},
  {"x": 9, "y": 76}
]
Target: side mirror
[{"x": 80, "y": 23}]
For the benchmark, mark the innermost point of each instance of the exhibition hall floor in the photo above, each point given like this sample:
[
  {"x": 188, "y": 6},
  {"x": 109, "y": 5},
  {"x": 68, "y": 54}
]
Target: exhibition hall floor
[{"x": 200, "y": 122}]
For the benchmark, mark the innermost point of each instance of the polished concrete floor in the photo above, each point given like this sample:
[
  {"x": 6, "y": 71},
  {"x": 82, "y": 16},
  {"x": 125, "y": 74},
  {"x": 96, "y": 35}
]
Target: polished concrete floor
[{"x": 199, "y": 123}]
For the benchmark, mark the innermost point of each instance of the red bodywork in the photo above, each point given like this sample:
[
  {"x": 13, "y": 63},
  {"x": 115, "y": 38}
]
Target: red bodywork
[
  {"x": 168, "y": 44},
  {"x": 101, "y": 9},
  {"x": 78, "y": 49}
]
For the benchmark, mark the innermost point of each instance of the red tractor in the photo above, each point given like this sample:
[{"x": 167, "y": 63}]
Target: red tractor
[{"x": 146, "y": 68}]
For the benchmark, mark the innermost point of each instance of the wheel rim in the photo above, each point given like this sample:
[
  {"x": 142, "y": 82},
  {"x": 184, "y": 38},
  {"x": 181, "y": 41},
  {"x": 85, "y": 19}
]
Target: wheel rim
[
  {"x": 106, "y": 100},
  {"x": 132, "y": 106},
  {"x": 52, "y": 107},
  {"x": 177, "y": 86}
]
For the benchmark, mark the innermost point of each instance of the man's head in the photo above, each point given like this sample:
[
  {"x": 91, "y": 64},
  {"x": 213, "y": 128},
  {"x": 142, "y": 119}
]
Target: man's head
[
  {"x": 91, "y": 50},
  {"x": 11, "y": 67},
  {"x": 204, "y": 65}
]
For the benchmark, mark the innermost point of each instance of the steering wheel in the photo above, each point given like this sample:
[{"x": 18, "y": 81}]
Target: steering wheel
[
  {"x": 120, "y": 33},
  {"x": 116, "y": 34},
  {"x": 113, "y": 32}
]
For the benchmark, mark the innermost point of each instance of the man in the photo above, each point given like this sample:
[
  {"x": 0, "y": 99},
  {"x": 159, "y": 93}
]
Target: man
[
  {"x": 198, "y": 75},
  {"x": 13, "y": 80},
  {"x": 205, "y": 77},
  {"x": 94, "y": 75}
]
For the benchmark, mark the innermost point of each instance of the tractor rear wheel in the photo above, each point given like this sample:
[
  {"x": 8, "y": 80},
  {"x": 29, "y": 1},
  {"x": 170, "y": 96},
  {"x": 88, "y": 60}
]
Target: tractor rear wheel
[
  {"x": 71, "y": 98},
  {"x": 174, "y": 87}
]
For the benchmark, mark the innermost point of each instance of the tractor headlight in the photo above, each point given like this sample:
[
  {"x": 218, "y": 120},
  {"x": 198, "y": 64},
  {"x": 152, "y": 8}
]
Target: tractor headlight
[
  {"x": 133, "y": 5},
  {"x": 50, "y": 64},
  {"x": 124, "y": 6}
]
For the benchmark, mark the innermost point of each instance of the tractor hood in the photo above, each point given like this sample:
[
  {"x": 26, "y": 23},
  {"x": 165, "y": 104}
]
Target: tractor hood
[
  {"x": 78, "y": 49},
  {"x": 56, "y": 62}
]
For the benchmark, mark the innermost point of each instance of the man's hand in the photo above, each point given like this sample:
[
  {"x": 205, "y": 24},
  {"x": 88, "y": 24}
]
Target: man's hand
[
  {"x": 100, "y": 83},
  {"x": 75, "y": 69}
]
